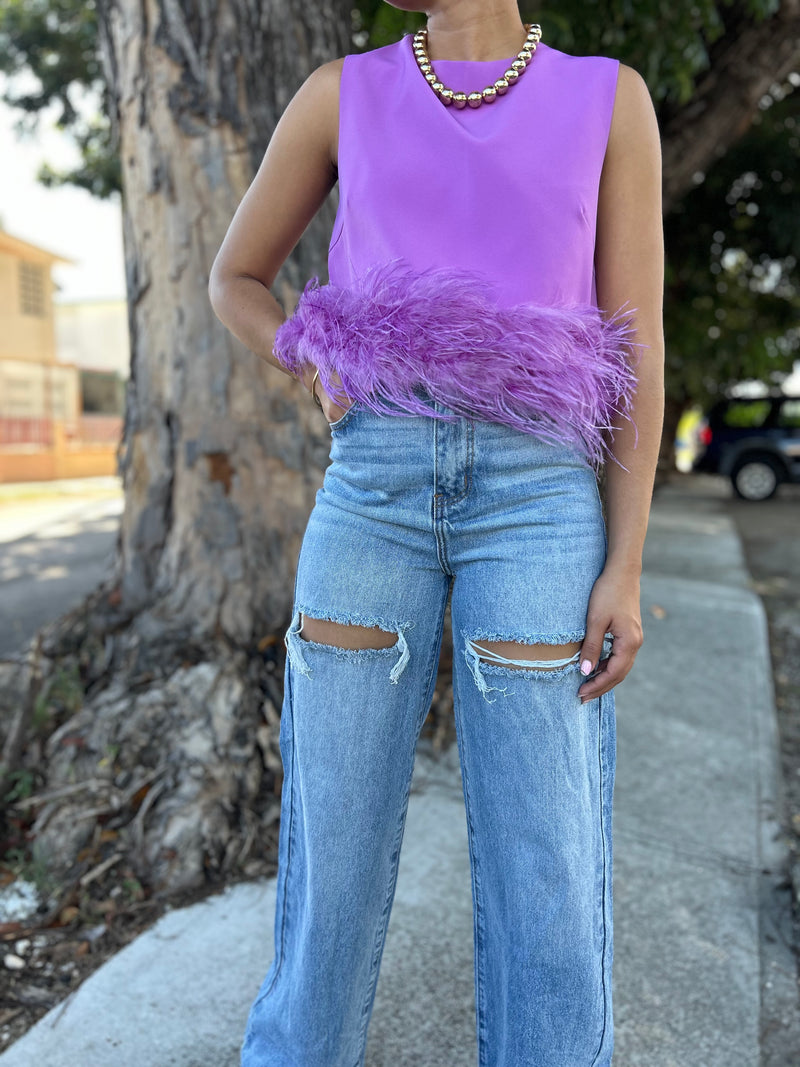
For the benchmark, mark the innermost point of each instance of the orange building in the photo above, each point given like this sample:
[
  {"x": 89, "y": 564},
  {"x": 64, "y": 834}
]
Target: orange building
[{"x": 44, "y": 431}]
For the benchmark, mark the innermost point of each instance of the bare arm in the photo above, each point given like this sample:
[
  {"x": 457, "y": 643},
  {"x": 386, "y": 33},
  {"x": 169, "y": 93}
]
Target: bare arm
[
  {"x": 629, "y": 261},
  {"x": 295, "y": 176}
]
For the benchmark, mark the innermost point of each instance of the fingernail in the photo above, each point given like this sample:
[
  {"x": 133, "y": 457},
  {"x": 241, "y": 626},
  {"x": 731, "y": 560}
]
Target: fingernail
[{"x": 586, "y": 667}]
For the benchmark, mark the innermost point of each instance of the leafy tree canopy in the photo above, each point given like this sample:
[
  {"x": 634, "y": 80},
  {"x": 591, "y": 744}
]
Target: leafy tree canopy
[
  {"x": 732, "y": 305},
  {"x": 53, "y": 43}
]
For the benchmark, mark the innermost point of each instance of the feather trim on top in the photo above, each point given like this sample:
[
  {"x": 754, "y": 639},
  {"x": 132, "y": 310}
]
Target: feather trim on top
[{"x": 561, "y": 373}]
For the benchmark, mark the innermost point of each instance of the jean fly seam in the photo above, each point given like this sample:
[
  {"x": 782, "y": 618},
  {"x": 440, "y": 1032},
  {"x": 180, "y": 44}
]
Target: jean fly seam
[
  {"x": 437, "y": 519},
  {"x": 468, "y": 467},
  {"x": 603, "y": 843},
  {"x": 467, "y": 470},
  {"x": 442, "y": 498},
  {"x": 380, "y": 938}
]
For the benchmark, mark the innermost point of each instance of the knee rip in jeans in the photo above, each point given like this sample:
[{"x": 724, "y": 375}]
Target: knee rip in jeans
[
  {"x": 353, "y": 636},
  {"x": 553, "y": 664}
]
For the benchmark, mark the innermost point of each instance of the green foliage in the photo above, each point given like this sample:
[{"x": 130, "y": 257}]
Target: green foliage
[
  {"x": 99, "y": 172},
  {"x": 133, "y": 890},
  {"x": 55, "y": 41},
  {"x": 30, "y": 865},
  {"x": 732, "y": 294},
  {"x": 376, "y": 24},
  {"x": 18, "y": 785},
  {"x": 62, "y": 694}
]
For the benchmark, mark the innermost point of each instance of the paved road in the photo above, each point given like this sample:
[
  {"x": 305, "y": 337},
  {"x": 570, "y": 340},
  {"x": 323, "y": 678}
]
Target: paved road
[{"x": 53, "y": 550}]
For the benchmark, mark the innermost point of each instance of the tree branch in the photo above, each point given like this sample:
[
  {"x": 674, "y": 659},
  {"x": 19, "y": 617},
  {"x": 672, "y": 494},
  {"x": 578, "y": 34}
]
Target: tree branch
[{"x": 745, "y": 62}]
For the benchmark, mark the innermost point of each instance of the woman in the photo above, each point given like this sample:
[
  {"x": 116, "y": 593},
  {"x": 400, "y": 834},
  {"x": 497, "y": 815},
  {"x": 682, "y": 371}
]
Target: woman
[{"x": 470, "y": 357}]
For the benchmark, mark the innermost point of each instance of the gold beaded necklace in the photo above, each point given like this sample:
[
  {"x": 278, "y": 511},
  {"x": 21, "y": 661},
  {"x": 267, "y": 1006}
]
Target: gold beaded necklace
[{"x": 491, "y": 92}]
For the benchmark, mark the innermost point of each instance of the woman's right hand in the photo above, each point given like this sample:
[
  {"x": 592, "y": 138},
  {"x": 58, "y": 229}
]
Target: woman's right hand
[{"x": 330, "y": 409}]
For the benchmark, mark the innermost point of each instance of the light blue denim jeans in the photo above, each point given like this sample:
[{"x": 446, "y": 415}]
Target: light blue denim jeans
[{"x": 409, "y": 506}]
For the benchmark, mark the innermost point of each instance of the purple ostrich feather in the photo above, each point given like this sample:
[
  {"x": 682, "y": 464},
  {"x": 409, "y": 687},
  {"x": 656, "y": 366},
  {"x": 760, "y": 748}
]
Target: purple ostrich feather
[{"x": 561, "y": 373}]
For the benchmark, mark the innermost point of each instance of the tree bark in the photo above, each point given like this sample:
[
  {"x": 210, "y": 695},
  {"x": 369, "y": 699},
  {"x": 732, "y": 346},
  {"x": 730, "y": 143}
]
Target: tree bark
[
  {"x": 175, "y": 745},
  {"x": 221, "y": 454}
]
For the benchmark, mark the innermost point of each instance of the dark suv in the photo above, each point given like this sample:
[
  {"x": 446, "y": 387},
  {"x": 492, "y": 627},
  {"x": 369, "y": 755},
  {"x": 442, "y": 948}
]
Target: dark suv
[{"x": 755, "y": 441}]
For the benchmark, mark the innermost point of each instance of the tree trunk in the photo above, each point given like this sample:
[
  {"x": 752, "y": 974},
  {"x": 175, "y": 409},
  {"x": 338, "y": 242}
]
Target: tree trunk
[{"x": 172, "y": 754}]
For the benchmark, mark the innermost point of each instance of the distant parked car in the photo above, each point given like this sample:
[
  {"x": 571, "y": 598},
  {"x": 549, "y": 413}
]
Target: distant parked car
[{"x": 754, "y": 441}]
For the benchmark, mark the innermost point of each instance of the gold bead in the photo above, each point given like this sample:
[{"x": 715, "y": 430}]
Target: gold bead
[{"x": 491, "y": 92}]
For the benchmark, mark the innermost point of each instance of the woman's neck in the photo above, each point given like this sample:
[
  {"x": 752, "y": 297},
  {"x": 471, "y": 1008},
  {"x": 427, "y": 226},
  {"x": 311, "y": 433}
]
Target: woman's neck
[{"x": 474, "y": 32}]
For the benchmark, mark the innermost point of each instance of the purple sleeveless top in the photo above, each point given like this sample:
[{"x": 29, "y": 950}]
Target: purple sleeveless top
[{"x": 461, "y": 261}]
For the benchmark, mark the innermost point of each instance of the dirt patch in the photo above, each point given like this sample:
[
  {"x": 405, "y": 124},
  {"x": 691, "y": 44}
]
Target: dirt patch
[{"x": 41, "y": 964}]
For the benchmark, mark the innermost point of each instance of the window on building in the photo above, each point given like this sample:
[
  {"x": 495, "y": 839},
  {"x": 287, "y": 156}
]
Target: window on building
[{"x": 31, "y": 289}]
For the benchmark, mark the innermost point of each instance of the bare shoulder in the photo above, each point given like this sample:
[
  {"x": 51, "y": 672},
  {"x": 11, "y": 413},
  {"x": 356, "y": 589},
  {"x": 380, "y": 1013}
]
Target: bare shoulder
[
  {"x": 634, "y": 119},
  {"x": 321, "y": 92},
  {"x": 325, "y": 77}
]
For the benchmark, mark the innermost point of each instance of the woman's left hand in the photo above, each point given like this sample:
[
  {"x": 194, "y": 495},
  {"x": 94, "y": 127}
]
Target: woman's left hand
[{"x": 613, "y": 608}]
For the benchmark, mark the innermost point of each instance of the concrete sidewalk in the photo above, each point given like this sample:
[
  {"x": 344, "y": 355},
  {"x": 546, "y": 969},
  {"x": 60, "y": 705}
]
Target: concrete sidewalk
[{"x": 702, "y": 969}]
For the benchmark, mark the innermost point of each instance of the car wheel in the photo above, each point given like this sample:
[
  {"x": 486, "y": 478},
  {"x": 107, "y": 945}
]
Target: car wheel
[{"x": 756, "y": 477}]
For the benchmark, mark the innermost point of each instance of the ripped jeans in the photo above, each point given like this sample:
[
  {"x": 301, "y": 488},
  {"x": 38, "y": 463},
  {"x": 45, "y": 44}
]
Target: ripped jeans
[{"x": 409, "y": 507}]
